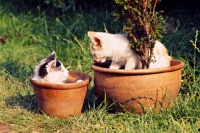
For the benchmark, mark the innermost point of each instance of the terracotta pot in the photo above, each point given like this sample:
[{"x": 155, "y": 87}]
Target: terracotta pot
[
  {"x": 61, "y": 100},
  {"x": 138, "y": 90}
]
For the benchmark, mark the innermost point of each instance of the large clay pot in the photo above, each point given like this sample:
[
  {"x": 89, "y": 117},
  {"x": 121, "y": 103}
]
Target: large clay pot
[
  {"x": 140, "y": 89},
  {"x": 61, "y": 100}
]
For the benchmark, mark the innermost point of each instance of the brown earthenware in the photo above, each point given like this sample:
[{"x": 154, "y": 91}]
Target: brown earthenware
[
  {"x": 140, "y": 89},
  {"x": 61, "y": 100}
]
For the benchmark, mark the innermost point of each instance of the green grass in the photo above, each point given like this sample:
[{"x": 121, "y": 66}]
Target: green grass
[{"x": 32, "y": 34}]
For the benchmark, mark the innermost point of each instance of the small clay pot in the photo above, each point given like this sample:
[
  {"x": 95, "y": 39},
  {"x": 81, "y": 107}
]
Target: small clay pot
[
  {"x": 61, "y": 100},
  {"x": 140, "y": 89}
]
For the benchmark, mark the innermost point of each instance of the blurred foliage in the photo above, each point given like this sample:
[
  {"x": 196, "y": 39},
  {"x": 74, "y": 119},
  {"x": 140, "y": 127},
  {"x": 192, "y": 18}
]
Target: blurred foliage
[{"x": 65, "y": 6}]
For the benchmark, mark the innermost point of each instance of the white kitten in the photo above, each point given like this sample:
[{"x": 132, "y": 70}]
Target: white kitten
[
  {"x": 115, "y": 46},
  {"x": 51, "y": 70}
]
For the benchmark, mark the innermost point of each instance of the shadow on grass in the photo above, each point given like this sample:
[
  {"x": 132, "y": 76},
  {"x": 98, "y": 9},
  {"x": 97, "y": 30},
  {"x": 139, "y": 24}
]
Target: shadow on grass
[
  {"x": 91, "y": 101},
  {"x": 27, "y": 102}
]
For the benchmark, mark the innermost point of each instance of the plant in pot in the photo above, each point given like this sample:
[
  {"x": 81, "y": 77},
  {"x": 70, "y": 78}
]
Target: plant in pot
[
  {"x": 140, "y": 89},
  {"x": 59, "y": 92}
]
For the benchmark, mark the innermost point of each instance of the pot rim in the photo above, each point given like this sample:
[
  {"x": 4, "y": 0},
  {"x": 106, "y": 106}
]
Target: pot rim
[
  {"x": 175, "y": 65},
  {"x": 66, "y": 86}
]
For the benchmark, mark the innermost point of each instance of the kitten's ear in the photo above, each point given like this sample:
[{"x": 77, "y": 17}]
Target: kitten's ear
[
  {"x": 95, "y": 39},
  {"x": 91, "y": 34},
  {"x": 53, "y": 63},
  {"x": 52, "y": 56}
]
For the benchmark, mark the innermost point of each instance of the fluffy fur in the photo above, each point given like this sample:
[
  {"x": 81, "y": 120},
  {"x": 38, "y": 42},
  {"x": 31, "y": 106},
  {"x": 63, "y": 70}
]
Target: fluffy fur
[
  {"x": 115, "y": 46},
  {"x": 51, "y": 70}
]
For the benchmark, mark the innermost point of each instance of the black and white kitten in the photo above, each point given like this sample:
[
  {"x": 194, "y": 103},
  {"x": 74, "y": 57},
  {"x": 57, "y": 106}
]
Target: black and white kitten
[{"x": 51, "y": 70}]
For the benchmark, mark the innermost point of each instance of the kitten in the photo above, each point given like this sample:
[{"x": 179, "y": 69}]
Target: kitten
[
  {"x": 115, "y": 46},
  {"x": 51, "y": 70}
]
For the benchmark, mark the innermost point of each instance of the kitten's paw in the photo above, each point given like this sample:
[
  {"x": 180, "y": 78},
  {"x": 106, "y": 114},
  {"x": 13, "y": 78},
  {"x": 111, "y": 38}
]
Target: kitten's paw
[
  {"x": 114, "y": 66},
  {"x": 130, "y": 67},
  {"x": 79, "y": 80}
]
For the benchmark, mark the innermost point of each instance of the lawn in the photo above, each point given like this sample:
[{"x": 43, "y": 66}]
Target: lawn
[{"x": 30, "y": 33}]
